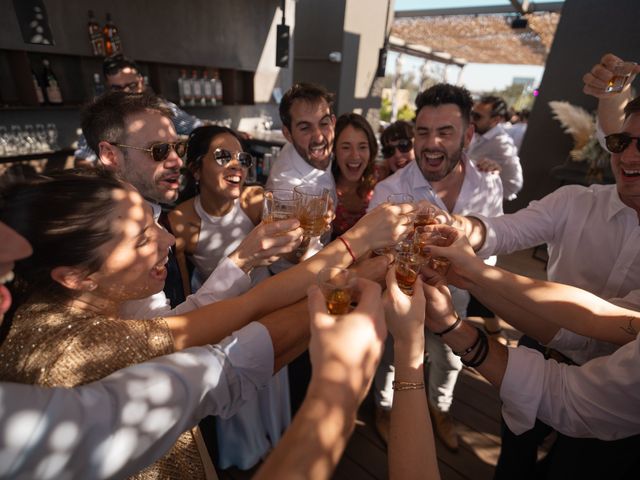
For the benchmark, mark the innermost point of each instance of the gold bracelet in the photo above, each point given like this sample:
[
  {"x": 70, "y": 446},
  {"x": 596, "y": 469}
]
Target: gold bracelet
[{"x": 399, "y": 386}]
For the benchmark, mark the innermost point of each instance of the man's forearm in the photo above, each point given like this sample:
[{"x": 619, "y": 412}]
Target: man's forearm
[
  {"x": 611, "y": 111},
  {"x": 313, "y": 444}
]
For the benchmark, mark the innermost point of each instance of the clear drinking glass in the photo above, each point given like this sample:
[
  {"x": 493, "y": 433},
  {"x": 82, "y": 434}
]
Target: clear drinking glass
[
  {"x": 278, "y": 205},
  {"x": 313, "y": 202},
  {"x": 621, "y": 73}
]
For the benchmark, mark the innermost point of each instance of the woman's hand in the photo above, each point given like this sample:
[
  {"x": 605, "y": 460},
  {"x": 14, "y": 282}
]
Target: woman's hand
[
  {"x": 405, "y": 314},
  {"x": 266, "y": 243},
  {"x": 464, "y": 262},
  {"x": 345, "y": 350},
  {"x": 383, "y": 226}
]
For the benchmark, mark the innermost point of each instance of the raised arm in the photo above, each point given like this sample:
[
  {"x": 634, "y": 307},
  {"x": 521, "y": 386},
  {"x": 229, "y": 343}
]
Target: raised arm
[
  {"x": 535, "y": 306},
  {"x": 412, "y": 451},
  {"x": 344, "y": 353},
  {"x": 610, "y": 105}
]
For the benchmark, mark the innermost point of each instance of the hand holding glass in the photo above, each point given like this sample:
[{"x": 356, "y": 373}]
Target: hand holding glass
[{"x": 337, "y": 285}]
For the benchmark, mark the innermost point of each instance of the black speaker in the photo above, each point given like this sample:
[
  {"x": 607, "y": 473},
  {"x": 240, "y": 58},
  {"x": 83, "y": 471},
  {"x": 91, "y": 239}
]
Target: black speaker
[
  {"x": 382, "y": 62},
  {"x": 282, "y": 46}
]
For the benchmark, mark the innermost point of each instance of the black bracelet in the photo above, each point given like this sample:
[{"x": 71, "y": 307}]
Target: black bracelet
[
  {"x": 451, "y": 327},
  {"x": 481, "y": 354},
  {"x": 471, "y": 348}
]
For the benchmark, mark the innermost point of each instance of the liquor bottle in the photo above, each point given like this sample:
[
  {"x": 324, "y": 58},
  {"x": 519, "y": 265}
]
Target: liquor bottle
[
  {"x": 95, "y": 36},
  {"x": 37, "y": 88},
  {"x": 51, "y": 85},
  {"x": 197, "y": 88},
  {"x": 98, "y": 86},
  {"x": 112, "y": 44},
  {"x": 207, "y": 89},
  {"x": 187, "y": 89},
  {"x": 181, "y": 79},
  {"x": 218, "y": 88}
]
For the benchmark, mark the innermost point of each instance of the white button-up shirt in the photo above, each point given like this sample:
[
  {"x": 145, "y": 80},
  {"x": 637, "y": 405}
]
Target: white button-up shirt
[
  {"x": 497, "y": 145},
  {"x": 480, "y": 191},
  {"x": 592, "y": 237},
  {"x": 100, "y": 440},
  {"x": 598, "y": 399},
  {"x": 291, "y": 170}
]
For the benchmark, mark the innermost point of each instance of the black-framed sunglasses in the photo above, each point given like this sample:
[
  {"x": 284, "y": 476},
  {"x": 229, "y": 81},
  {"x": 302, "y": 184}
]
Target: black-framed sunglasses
[
  {"x": 160, "y": 151},
  {"x": 618, "y": 142},
  {"x": 223, "y": 157},
  {"x": 403, "y": 146}
]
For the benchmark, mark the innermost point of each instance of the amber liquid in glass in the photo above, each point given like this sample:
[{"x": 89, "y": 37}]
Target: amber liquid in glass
[
  {"x": 422, "y": 220},
  {"x": 338, "y": 302},
  {"x": 312, "y": 225},
  {"x": 406, "y": 277},
  {"x": 440, "y": 265}
]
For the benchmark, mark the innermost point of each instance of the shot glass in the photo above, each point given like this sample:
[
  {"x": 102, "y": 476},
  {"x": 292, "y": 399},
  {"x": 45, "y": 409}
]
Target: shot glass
[
  {"x": 421, "y": 240},
  {"x": 425, "y": 216},
  {"x": 337, "y": 285},
  {"x": 621, "y": 74},
  {"x": 407, "y": 269},
  {"x": 396, "y": 198},
  {"x": 278, "y": 205},
  {"x": 312, "y": 205}
]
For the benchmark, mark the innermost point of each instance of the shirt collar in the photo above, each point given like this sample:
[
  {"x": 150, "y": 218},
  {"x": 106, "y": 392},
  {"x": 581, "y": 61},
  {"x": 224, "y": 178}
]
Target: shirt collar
[{"x": 616, "y": 205}]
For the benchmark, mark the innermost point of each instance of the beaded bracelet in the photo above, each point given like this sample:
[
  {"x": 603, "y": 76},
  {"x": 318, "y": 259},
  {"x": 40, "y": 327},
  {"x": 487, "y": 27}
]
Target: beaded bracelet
[
  {"x": 398, "y": 386},
  {"x": 348, "y": 247},
  {"x": 450, "y": 327}
]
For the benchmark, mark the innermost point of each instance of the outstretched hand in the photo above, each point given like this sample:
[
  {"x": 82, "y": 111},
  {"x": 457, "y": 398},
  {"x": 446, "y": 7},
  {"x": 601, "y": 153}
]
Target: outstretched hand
[
  {"x": 266, "y": 243},
  {"x": 345, "y": 350},
  {"x": 597, "y": 79}
]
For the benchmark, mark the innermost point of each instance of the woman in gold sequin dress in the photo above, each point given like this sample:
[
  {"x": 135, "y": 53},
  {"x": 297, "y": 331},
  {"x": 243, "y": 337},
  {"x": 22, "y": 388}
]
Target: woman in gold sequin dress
[{"x": 95, "y": 246}]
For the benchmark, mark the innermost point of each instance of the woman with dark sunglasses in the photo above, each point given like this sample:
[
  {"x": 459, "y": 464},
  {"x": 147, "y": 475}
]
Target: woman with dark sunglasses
[
  {"x": 355, "y": 149},
  {"x": 223, "y": 221},
  {"x": 397, "y": 145}
]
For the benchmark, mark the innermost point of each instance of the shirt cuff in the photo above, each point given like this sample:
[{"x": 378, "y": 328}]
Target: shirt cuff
[
  {"x": 521, "y": 393},
  {"x": 490, "y": 239},
  {"x": 226, "y": 281}
]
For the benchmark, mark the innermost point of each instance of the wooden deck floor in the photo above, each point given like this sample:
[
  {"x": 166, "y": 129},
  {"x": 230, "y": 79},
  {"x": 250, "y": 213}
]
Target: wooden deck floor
[{"x": 476, "y": 410}]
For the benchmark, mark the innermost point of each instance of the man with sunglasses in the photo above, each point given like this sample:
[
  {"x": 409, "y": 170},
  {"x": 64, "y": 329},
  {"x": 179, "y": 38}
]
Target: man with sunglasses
[
  {"x": 122, "y": 74},
  {"x": 593, "y": 240},
  {"x": 493, "y": 147},
  {"x": 134, "y": 135},
  {"x": 397, "y": 145}
]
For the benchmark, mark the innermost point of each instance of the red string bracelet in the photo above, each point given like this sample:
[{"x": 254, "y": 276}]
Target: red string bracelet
[{"x": 348, "y": 247}]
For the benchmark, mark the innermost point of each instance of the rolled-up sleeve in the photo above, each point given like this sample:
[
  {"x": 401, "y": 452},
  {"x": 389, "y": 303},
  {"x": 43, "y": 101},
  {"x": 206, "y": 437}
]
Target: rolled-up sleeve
[
  {"x": 598, "y": 399},
  {"x": 117, "y": 426}
]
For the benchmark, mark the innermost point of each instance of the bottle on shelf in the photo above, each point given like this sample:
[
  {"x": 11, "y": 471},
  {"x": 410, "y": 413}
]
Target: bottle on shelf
[
  {"x": 98, "y": 86},
  {"x": 197, "y": 88},
  {"x": 181, "y": 79},
  {"x": 112, "y": 44},
  {"x": 51, "y": 85},
  {"x": 95, "y": 36},
  {"x": 217, "y": 92},
  {"x": 186, "y": 89},
  {"x": 207, "y": 89},
  {"x": 38, "y": 88}
]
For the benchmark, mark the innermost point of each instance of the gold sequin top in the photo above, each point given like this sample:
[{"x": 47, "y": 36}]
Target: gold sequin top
[{"x": 56, "y": 347}]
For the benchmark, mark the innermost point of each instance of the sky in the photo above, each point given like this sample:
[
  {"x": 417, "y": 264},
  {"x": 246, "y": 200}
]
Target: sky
[{"x": 475, "y": 76}]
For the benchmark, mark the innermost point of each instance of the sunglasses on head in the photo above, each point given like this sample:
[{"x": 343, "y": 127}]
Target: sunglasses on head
[
  {"x": 160, "y": 151},
  {"x": 618, "y": 142},
  {"x": 403, "y": 146},
  {"x": 223, "y": 157}
]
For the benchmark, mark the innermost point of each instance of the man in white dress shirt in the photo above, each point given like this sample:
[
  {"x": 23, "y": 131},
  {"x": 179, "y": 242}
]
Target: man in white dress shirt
[
  {"x": 593, "y": 240},
  {"x": 492, "y": 142},
  {"x": 443, "y": 175},
  {"x": 308, "y": 123}
]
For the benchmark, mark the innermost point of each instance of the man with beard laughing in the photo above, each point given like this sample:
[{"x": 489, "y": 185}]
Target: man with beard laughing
[{"x": 443, "y": 175}]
